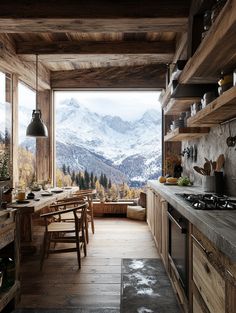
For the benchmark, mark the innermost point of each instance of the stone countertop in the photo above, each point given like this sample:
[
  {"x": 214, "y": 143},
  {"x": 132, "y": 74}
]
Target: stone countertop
[{"x": 218, "y": 226}]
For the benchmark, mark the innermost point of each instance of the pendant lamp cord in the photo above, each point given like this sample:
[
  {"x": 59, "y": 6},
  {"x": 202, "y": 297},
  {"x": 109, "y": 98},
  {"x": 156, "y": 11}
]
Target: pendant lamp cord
[{"x": 36, "y": 80}]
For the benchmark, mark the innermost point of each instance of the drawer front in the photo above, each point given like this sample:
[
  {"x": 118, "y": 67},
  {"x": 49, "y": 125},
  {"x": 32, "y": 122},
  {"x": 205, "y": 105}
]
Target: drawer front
[{"x": 209, "y": 282}]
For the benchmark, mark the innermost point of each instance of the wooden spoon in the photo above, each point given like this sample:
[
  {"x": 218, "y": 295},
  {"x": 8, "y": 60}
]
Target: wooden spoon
[
  {"x": 220, "y": 162},
  {"x": 207, "y": 168},
  {"x": 213, "y": 165},
  {"x": 199, "y": 170}
]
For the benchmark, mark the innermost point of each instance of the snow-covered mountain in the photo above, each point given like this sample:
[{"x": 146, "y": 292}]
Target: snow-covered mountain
[{"x": 123, "y": 150}]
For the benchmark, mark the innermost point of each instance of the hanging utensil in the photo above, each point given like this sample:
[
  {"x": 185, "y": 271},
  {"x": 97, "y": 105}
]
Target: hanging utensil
[
  {"x": 220, "y": 162},
  {"x": 213, "y": 165},
  {"x": 207, "y": 167},
  {"x": 230, "y": 141},
  {"x": 200, "y": 170}
]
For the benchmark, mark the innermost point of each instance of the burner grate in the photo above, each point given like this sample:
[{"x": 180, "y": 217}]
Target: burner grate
[{"x": 209, "y": 201}]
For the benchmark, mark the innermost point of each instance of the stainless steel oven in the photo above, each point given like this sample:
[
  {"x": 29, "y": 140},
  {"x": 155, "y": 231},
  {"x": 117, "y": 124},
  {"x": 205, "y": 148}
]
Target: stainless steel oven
[{"x": 178, "y": 245}]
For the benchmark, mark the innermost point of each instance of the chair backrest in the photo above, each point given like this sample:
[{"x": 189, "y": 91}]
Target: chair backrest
[
  {"x": 71, "y": 200},
  {"x": 57, "y": 212}
]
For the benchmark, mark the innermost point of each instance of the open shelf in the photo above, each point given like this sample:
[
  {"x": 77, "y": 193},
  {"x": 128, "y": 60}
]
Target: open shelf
[
  {"x": 221, "y": 109},
  {"x": 214, "y": 53},
  {"x": 186, "y": 133},
  {"x": 166, "y": 97},
  {"x": 176, "y": 106},
  {"x": 8, "y": 295}
]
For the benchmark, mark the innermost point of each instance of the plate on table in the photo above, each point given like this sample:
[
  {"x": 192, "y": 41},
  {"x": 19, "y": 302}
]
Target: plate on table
[
  {"x": 57, "y": 190},
  {"x": 22, "y": 201},
  {"x": 46, "y": 194}
]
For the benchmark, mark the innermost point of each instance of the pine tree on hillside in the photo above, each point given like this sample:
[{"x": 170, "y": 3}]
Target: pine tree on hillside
[
  {"x": 95, "y": 179},
  {"x": 64, "y": 169},
  {"x": 82, "y": 183},
  {"x": 73, "y": 177},
  {"x": 109, "y": 184},
  {"x": 101, "y": 180},
  {"x": 92, "y": 181},
  {"x": 86, "y": 179},
  {"x": 77, "y": 180},
  {"x": 105, "y": 182},
  {"x": 68, "y": 169}
]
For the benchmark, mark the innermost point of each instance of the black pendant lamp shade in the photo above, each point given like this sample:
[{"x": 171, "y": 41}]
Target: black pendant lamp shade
[{"x": 36, "y": 128}]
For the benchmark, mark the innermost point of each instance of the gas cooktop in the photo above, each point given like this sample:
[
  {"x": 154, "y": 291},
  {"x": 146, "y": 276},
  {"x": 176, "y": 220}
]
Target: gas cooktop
[{"x": 208, "y": 201}]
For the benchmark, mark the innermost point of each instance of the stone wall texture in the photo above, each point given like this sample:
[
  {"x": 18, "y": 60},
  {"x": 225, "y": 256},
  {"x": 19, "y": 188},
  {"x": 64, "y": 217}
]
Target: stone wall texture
[{"x": 211, "y": 146}]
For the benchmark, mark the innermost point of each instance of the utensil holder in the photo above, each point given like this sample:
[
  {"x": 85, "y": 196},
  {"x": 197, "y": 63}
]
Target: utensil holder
[
  {"x": 208, "y": 183},
  {"x": 219, "y": 183}
]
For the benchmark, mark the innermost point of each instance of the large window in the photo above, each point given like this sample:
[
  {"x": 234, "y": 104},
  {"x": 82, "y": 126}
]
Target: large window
[
  {"x": 27, "y": 145},
  {"x": 5, "y": 126},
  {"x": 108, "y": 139}
]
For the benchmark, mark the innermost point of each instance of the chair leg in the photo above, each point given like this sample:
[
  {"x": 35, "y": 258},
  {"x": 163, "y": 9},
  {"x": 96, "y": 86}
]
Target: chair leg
[
  {"x": 78, "y": 248},
  {"x": 86, "y": 228},
  {"x": 45, "y": 244},
  {"x": 84, "y": 241},
  {"x": 49, "y": 237},
  {"x": 92, "y": 222}
]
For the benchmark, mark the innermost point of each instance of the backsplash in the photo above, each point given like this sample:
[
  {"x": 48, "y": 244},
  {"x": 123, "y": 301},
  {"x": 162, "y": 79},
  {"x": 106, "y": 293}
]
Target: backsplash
[{"x": 211, "y": 146}]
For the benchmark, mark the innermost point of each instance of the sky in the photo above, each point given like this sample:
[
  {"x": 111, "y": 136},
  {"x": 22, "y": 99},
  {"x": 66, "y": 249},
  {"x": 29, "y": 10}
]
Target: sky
[{"x": 129, "y": 105}]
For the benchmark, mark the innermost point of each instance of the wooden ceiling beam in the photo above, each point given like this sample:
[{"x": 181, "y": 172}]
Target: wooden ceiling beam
[
  {"x": 96, "y": 47},
  {"x": 86, "y": 25},
  {"x": 150, "y": 76},
  {"x": 93, "y": 9}
]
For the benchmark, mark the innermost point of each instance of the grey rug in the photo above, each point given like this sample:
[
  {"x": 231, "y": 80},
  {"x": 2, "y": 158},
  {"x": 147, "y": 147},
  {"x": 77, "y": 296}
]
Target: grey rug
[
  {"x": 91, "y": 310},
  {"x": 146, "y": 288}
]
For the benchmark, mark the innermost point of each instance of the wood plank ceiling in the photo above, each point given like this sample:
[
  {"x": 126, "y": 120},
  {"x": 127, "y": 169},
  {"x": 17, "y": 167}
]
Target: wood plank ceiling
[{"x": 92, "y": 35}]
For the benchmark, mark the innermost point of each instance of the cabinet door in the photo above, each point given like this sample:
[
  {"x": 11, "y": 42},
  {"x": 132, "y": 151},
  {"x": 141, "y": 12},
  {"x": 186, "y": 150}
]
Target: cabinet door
[
  {"x": 157, "y": 219},
  {"x": 150, "y": 208},
  {"x": 164, "y": 232},
  {"x": 208, "y": 281}
]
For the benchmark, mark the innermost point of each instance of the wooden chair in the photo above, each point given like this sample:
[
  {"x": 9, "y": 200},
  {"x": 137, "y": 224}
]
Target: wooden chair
[
  {"x": 58, "y": 231},
  {"x": 72, "y": 202},
  {"x": 89, "y": 194}
]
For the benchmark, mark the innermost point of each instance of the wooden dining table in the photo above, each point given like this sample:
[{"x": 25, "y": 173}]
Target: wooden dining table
[{"x": 32, "y": 207}]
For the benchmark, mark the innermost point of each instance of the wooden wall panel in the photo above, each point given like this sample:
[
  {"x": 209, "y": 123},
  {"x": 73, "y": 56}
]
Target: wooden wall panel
[{"x": 15, "y": 80}]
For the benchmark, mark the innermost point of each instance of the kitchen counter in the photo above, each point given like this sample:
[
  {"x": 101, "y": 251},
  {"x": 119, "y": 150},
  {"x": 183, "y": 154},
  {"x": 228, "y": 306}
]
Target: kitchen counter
[{"x": 217, "y": 226}]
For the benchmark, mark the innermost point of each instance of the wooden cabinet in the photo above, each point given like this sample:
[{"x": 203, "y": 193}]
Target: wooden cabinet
[
  {"x": 158, "y": 222},
  {"x": 208, "y": 281},
  {"x": 164, "y": 233},
  {"x": 213, "y": 278},
  {"x": 9, "y": 247}
]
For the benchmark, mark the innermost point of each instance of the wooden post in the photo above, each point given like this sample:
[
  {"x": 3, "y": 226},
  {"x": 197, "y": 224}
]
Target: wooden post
[
  {"x": 44, "y": 145},
  {"x": 15, "y": 174}
]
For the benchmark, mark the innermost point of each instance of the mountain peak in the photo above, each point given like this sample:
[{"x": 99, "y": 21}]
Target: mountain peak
[{"x": 116, "y": 123}]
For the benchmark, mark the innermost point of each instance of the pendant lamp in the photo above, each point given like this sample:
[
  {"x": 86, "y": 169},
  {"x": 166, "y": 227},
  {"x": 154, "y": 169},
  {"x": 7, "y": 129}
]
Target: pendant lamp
[{"x": 36, "y": 127}]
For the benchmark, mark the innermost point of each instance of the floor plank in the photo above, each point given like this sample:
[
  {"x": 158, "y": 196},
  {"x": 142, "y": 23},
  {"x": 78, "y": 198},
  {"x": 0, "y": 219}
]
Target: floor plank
[{"x": 97, "y": 284}]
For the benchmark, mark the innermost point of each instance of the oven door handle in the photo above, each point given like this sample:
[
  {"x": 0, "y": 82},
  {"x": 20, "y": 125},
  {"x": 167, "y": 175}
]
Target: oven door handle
[{"x": 183, "y": 230}]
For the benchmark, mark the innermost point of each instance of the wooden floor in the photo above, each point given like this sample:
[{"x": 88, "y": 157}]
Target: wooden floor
[{"x": 97, "y": 284}]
